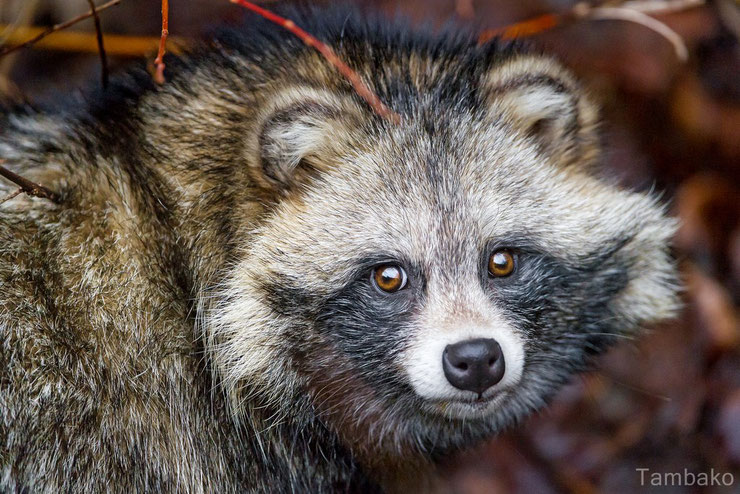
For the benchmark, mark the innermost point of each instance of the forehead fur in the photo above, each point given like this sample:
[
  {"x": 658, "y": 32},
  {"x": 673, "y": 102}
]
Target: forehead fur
[{"x": 423, "y": 196}]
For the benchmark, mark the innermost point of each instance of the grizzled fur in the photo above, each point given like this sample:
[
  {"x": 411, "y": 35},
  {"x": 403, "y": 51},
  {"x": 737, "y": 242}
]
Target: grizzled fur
[{"x": 196, "y": 315}]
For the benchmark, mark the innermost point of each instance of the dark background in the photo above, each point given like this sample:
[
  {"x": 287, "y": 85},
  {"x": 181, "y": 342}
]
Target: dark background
[{"x": 668, "y": 401}]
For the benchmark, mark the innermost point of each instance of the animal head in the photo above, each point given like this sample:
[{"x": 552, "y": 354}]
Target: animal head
[{"x": 430, "y": 282}]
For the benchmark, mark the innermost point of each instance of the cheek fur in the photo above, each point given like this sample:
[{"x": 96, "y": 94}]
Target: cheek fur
[
  {"x": 565, "y": 310},
  {"x": 369, "y": 329}
]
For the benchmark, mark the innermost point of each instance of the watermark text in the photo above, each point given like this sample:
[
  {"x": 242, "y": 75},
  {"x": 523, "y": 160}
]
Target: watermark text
[{"x": 685, "y": 478}]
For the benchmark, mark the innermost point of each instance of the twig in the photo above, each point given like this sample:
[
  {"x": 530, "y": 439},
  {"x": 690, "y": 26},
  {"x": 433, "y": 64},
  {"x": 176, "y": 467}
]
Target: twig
[
  {"x": 57, "y": 27},
  {"x": 522, "y": 29},
  {"x": 115, "y": 45},
  {"x": 328, "y": 53},
  {"x": 159, "y": 61},
  {"x": 30, "y": 188},
  {"x": 101, "y": 47},
  {"x": 625, "y": 14},
  {"x": 629, "y": 11},
  {"x": 661, "y": 6},
  {"x": 7, "y": 198}
]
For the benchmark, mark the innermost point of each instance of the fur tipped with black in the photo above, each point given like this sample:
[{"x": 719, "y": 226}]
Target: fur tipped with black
[{"x": 199, "y": 315}]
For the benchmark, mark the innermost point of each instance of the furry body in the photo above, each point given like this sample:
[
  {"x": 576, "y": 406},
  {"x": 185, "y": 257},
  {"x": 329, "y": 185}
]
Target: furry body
[{"x": 195, "y": 315}]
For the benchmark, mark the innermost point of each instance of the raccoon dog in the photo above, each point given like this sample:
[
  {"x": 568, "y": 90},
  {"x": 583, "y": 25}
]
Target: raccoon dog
[{"x": 254, "y": 283}]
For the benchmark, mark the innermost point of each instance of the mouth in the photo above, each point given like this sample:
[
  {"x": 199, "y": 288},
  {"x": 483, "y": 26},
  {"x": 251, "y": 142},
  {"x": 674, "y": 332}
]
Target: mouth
[{"x": 477, "y": 406}]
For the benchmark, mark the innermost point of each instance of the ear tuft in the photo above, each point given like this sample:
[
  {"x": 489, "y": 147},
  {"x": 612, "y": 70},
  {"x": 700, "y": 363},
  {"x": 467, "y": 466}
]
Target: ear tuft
[{"x": 543, "y": 102}]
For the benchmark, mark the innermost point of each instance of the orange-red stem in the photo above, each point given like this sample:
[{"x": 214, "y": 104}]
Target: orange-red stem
[
  {"x": 328, "y": 53},
  {"x": 159, "y": 61}
]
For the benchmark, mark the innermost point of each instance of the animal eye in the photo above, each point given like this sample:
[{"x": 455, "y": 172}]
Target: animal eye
[
  {"x": 501, "y": 263},
  {"x": 389, "y": 277}
]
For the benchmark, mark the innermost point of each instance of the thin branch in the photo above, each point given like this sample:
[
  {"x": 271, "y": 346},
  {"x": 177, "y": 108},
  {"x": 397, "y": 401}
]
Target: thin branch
[
  {"x": 631, "y": 11},
  {"x": 115, "y": 45},
  {"x": 101, "y": 47},
  {"x": 328, "y": 53},
  {"x": 629, "y": 15},
  {"x": 30, "y": 188},
  {"x": 12, "y": 195},
  {"x": 522, "y": 29},
  {"x": 159, "y": 61},
  {"x": 57, "y": 27},
  {"x": 661, "y": 6}
]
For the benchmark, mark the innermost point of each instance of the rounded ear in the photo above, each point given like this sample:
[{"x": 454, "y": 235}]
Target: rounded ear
[
  {"x": 543, "y": 101},
  {"x": 298, "y": 132}
]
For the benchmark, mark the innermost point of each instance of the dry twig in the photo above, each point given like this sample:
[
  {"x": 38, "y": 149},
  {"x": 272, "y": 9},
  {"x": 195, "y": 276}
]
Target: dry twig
[
  {"x": 101, "y": 47},
  {"x": 115, "y": 44},
  {"x": 30, "y": 188},
  {"x": 661, "y": 6},
  {"x": 628, "y": 11},
  {"x": 631, "y": 15},
  {"x": 328, "y": 53},
  {"x": 159, "y": 61},
  {"x": 57, "y": 27},
  {"x": 7, "y": 198},
  {"x": 522, "y": 29}
]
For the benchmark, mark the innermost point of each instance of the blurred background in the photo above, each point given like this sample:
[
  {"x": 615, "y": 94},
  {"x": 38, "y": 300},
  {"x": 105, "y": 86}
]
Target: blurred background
[{"x": 669, "y": 401}]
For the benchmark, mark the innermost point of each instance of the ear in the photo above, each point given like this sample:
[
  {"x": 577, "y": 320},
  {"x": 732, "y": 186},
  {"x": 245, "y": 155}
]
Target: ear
[
  {"x": 298, "y": 132},
  {"x": 543, "y": 102}
]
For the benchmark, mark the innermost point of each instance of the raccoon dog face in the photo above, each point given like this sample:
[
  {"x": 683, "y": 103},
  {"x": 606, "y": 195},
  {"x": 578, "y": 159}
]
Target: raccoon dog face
[{"x": 428, "y": 283}]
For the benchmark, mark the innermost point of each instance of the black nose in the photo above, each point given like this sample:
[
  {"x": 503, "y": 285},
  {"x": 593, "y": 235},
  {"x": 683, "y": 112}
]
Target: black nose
[{"x": 473, "y": 365}]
